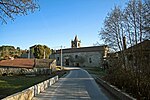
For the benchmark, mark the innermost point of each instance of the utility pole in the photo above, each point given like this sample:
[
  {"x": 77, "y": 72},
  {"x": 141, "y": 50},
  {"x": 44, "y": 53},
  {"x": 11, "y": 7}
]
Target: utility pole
[
  {"x": 44, "y": 54},
  {"x": 29, "y": 54},
  {"x": 61, "y": 56}
]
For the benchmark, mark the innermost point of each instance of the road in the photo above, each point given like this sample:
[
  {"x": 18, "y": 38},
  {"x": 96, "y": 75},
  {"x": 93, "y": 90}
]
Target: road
[{"x": 77, "y": 85}]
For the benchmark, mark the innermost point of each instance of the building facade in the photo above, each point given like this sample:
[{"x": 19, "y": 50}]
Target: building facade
[
  {"x": 81, "y": 56},
  {"x": 136, "y": 56}
]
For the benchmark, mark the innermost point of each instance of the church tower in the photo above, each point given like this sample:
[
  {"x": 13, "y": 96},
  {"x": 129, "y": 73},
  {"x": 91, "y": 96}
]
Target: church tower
[{"x": 75, "y": 43}]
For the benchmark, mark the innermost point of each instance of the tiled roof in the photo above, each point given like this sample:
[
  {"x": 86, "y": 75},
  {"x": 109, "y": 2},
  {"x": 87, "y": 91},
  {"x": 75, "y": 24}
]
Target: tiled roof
[
  {"x": 144, "y": 44},
  {"x": 83, "y": 49},
  {"x": 19, "y": 63},
  {"x": 26, "y": 63}
]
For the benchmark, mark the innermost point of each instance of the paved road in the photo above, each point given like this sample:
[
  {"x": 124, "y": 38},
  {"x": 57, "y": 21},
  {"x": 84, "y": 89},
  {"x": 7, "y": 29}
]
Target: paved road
[{"x": 77, "y": 85}]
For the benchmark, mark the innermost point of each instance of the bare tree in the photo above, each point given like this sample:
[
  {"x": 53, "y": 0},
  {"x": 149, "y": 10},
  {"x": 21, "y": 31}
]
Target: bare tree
[
  {"x": 134, "y": 18},
  {"x": 11, "y": 8},
  {"x": 146, "y": 16},
  {"x": 133, "y": 22},
  {"x": 137, "y": 20},
  {"x": 113, "y": 33}
]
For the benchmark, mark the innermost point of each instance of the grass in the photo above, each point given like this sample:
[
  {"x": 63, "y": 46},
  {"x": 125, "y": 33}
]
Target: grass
[
  {"x": 13, "y": 84},
  {"x": 95, "y": 71}
]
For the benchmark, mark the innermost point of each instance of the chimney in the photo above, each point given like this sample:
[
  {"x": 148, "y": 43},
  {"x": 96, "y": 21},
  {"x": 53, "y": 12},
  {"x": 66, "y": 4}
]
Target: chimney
[{"x": 124, "y": 43}]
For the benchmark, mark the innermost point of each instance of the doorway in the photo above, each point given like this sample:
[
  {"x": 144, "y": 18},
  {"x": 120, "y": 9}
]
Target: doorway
[
  {"x": 77, "y": 64},
  {"x": 67, "y": 62}
]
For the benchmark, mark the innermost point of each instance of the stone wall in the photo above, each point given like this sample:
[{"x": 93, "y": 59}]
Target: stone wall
[
  {"x": 24, "y": 71},
  {"x": 14, "y": 71},
  {"x": 115, "y": 91},
  {"x": 41, "y": 71},
  {"x": 29, "y": 93},
  {"x": 85, "y": 59}
]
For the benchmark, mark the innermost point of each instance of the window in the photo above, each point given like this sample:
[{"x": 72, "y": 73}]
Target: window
[
  {"x": 90, "y": 60},
  {"x": 57, "y": 58},
  {"x": 76, "y": 56},
  {"x": 78, "y": 44}
]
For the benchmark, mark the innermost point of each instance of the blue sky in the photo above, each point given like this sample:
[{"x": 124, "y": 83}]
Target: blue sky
[{"x": 57, "y": 22}]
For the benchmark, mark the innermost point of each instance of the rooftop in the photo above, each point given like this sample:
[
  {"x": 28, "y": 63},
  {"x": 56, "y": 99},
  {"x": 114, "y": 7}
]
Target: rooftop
[
  {"x": 19, "y": 63},
  {"x": 83, "y": 49},
  {"x": 26, "y": 63}
]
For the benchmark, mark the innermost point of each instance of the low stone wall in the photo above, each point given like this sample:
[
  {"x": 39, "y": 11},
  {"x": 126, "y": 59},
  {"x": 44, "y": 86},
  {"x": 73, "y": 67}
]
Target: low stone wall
[
  {"x": 115, "y": 91},
  {"x": 12, "y": 71},
  {"x": 19, "y": 71},
  {"x": 29, "y": 93}
]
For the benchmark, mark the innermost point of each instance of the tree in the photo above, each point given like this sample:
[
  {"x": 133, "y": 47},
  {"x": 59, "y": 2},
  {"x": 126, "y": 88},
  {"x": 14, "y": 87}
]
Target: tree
[
  {"x": 137, "y": 21},
  {"x": 146, "y": 12},
  {"x": 135, "y": 15},
  {"x": 112, "y": 32},
  {"x": 133, "y": 23},
  {"x": 11, "y": 8},
  {"x": 47, "y": 51},
  {"x": 40, "y": 50},
  {"x": 8, "y": 51}
]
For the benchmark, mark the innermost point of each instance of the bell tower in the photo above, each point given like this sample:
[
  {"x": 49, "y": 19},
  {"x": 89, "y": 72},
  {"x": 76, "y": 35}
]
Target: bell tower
[{"x": 75, "y": 43}]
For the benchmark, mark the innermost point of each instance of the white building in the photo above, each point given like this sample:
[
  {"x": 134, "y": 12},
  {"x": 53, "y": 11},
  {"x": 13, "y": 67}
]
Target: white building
[{"x": 81, "y": 56}]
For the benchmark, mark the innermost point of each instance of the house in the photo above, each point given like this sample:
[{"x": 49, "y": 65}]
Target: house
[
  {"x": 135, "y": 56},
  {"x": 80, "y": 56},
  {"x": 27, "y": 66},
  {"x": 138, "y": 55}
]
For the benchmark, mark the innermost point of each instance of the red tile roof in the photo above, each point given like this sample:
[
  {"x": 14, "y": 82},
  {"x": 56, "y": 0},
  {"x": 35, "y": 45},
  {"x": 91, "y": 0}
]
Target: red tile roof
[{"x": 19, "y": 63}]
